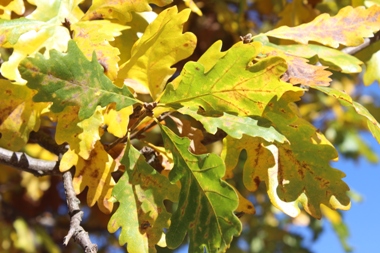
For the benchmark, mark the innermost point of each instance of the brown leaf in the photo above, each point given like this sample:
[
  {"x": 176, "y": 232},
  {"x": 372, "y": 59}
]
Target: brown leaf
[{"x": 301, "y": 72}]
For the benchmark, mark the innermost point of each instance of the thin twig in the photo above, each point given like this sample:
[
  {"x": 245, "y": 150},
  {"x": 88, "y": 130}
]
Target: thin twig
[{"x": 76, "y": 231}]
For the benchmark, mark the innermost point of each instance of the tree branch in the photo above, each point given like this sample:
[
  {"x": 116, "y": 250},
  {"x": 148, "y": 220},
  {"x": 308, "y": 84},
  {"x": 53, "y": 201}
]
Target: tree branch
[
  {"x": 22, "y": 161},
  {"x": 367, "y": 42},
  {"x": 76, "y": 231}
]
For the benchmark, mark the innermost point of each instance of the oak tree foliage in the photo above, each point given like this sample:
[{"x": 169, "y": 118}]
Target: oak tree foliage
[{"x": 178, "y": 118}]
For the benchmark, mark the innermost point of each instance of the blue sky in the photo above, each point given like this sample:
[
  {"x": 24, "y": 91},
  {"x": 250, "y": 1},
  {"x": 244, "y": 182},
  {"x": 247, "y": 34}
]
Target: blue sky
[{"x": 362, "y": 219}]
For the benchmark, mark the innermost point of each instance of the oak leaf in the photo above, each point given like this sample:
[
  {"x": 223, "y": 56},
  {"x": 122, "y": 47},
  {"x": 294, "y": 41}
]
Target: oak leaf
[
  {"x": 232, "y": 85},
  {"x": 162, "y": 45},
  {"x": 94, "y": 173},
  {"x": 121, "y": 10},
  {"x": 19, "y": 115},
  {"x": 141, "y": 192},
  {"x": 205, "y": 201},
  {"x": 95, "y": 36},
  {"x": 349, "y": 28},
  {"x": 70, "y": 79}
]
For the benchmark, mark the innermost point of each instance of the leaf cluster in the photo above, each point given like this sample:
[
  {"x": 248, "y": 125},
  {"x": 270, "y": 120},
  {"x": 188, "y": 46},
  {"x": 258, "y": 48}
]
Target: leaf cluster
[{"x": 168, "y": 153}]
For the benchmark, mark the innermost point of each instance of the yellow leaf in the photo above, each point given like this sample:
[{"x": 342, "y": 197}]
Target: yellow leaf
[
  {"x": 117, "y": 121},
  {"x": 7, "y": 6},
  {"x": 19, "y": 115},
  {"x": 80, "y": 135},
  {"x": 94, "y": 173},
  {"x": 193, "y": 7},
  {"x": 121, "y": 10},
  {"x": 295, "y": 13},
  {"x": 245, "y": 205},
  {"x": 95, "y": 35},
  {"x": 34, "y": 186},
  {"x": 161, "y": 46},
  {"x": 349, "y": 27}
]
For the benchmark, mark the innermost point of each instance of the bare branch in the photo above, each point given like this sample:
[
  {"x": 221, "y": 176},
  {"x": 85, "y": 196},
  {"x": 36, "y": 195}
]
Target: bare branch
[
  {"x": 47, "y": 142},
  {"x": 76, "y": 231},
  {"x": 367, "y": 42},
  {"x": 22, "y": 161}
]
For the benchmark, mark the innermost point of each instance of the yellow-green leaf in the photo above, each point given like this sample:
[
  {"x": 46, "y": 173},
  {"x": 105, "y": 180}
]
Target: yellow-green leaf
[
  {"x": 19, "y": 115},
  {"x": 42, "y": 29},
  {"x": 141, "y": 215},
  {"x": 349, "y": 27},
  {"x": 80, "y": 135},
  {"x": 232, "y": 85},
  {"x": 162, "y": 45}
]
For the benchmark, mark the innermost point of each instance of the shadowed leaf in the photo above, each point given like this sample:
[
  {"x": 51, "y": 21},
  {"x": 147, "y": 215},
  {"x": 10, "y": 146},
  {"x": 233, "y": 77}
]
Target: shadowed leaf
[
  {"x": 205, "y": 201},
  {"x": 142, "y": 215}
]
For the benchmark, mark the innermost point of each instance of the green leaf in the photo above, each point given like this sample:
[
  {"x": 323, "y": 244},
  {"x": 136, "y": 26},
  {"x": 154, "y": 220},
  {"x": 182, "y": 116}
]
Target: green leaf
[
  {"x": 346, "y": 100},
  {"x": 70, "y": 79},
  {"x": 302, "y": 177},
  {"x": 206, "y": 202},
  {"x": 142, "y": 214},
  {"x": 235, "y": 126},
  {"x": 233, "y": 84}
]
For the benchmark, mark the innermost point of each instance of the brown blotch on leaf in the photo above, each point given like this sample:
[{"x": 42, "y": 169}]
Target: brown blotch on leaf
[{"x": 95, "y": 174}]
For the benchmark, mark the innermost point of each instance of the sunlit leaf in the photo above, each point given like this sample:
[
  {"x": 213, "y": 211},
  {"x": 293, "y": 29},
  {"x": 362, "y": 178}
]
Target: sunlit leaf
[
  {"x": 141, "y": 214},
  {"x": 70, "y": 79},
  {"x": 235, "y": 126},
  {"x": 16, "y": 6},
  {"x": 162, "y": 45},
  {"x": 117, "y": 121},
  {"x": 80, "y": 135},
  {"x": 94, "y": 173},
  {"x": 42, "y": 29},
  {"x": 193, "y": 6},
  {"x": 95, "y": 35},
  {"x": 120, "y": 10},
  {"x": 333, "y": 58},
  {"x": 232, "y": 85},
  {"x": 349, "y": 27},
  {"x": 205, "y": 200}
]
